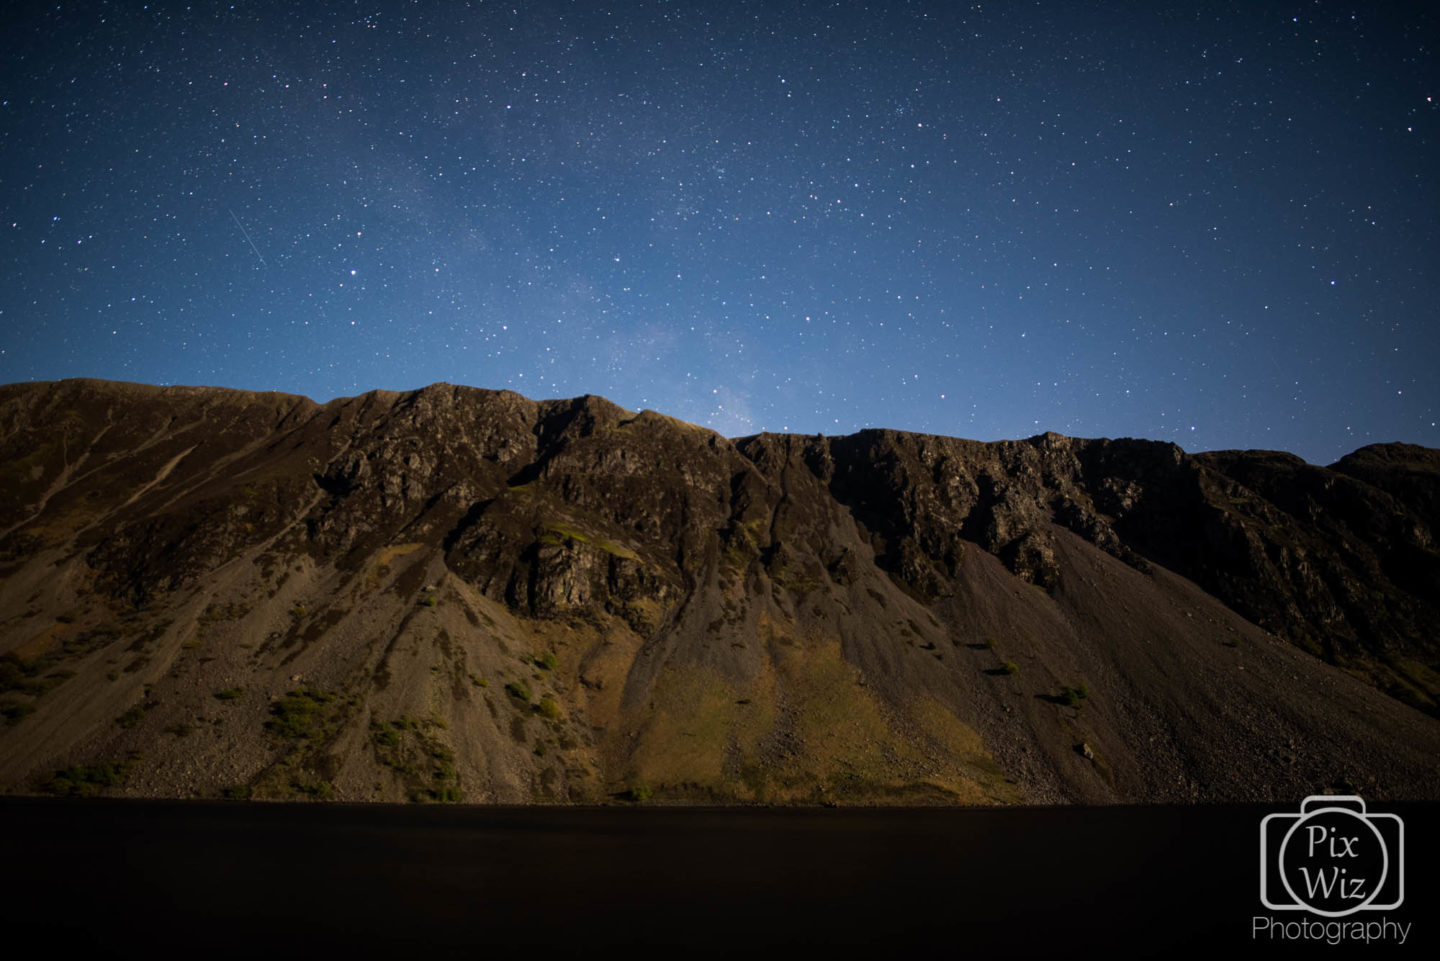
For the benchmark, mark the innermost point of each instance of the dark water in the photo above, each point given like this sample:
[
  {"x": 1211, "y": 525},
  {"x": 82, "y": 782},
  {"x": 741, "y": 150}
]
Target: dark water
[{"x": 207, "y": 879}]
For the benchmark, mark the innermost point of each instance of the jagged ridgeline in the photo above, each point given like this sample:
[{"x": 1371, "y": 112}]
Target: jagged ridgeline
[{"x": 456, "y": 594}]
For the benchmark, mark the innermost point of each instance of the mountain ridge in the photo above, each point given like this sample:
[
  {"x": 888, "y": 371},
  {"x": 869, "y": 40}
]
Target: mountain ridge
[{"x": 458, "y": 593}]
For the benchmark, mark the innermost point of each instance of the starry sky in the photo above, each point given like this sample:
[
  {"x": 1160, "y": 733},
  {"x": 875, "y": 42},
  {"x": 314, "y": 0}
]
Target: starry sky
[{"x": 1209, "y": 223}]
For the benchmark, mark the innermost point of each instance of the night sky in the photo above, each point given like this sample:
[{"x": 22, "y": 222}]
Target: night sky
[{"x": 1207, "y": 223}]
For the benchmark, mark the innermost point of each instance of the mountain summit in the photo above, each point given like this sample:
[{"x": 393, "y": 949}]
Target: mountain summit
[{"x": 460, "y": 594}]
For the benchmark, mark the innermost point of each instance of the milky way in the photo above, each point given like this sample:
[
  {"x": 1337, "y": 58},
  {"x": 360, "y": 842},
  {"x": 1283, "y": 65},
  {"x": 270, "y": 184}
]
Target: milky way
[{"x": 1213, "y": 224}]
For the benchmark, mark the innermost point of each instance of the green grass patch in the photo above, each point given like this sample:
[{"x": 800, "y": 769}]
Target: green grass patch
[
  {"x": 230, "y": 694},
  {"x": 33, "y": 677},
  {"x": 556, "y": 533},
  {"x": 83, "y": 780},
  {"x": 301, "y": 715},
  {"x": 517, "y": 689},
  {"x": 314, "y": 788},
  {"x": 423, "y": 763},
  {"x": 133, "y": 716},
  {"x": 563, "y": 531}
]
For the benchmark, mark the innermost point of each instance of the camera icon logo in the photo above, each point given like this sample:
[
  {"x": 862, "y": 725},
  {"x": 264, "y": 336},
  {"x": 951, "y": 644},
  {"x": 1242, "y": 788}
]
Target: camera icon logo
[{"x": 1332, "y": 859}]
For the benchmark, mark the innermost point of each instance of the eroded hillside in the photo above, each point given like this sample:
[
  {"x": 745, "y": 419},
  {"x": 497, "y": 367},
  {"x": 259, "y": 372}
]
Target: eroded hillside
[{"x": 458, "y": 594}]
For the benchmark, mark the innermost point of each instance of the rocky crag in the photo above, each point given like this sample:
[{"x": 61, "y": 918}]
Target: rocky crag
[{"x": 457, "y": 594}]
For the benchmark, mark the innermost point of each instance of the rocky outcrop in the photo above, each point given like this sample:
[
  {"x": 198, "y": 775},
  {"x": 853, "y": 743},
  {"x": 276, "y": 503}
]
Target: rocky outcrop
[{"x": 455, "y": 593}]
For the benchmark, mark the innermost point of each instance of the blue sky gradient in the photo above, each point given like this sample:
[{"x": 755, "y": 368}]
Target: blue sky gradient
[{"x": 1213, "y": 224}]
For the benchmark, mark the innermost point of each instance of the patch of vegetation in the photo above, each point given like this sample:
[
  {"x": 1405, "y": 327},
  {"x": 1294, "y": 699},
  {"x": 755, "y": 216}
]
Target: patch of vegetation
[
  {"x": 318, "y": 789},
  {"x": 298, "y": 611},
  {"x": 565, "y": 530},
  {"x": 517, "y": 689},
  {"x": 444, "y": 758},
  {"x": 547, "y": 661},
  {"x": 15, "y": 711},
  {"x": 33, "y": 677},
  {"x": 800, "y": 585},
  {"x": 548, "y": 709},
  {"x": 1072, "y": 696},
  {"x": 424, "y": 763},
  {"x": 230, "y": 612},
  {"x": 301, "y": 723},
  {"x": 1010, "y": 667},
  {"x": 134, "y": 716},
  {"x": 230, "y": 694},
  {"x": 93, "y": 640},
  {"x": 83, "y": 780},
  {"x": 479, "y": 681},
  {"x": 237, "y": 792},
  {"x": 388, "y": 739},
  {"x": 428, "y": 600},
  {"x": 301, "y": 715},
  {"x": 638, "y": 793},
  {"x": 447, "y": 795},
  {"x": 557, "y": 533},
  {"x": 738, "y": 554},
  {"x": 179, "y": 729}
]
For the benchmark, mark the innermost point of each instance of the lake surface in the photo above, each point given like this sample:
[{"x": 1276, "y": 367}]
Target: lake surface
[{"x": 215, "y": 878}]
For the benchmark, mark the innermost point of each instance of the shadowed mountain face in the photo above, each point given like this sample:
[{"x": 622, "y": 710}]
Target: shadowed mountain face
[{"x": 463, "y": 594}]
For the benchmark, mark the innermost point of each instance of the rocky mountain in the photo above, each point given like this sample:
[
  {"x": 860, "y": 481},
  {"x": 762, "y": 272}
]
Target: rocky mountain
[{"x": 460, "y": 594}]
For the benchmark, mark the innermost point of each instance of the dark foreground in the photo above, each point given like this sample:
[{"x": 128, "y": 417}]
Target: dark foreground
[{"x": 276, "y": 880}]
